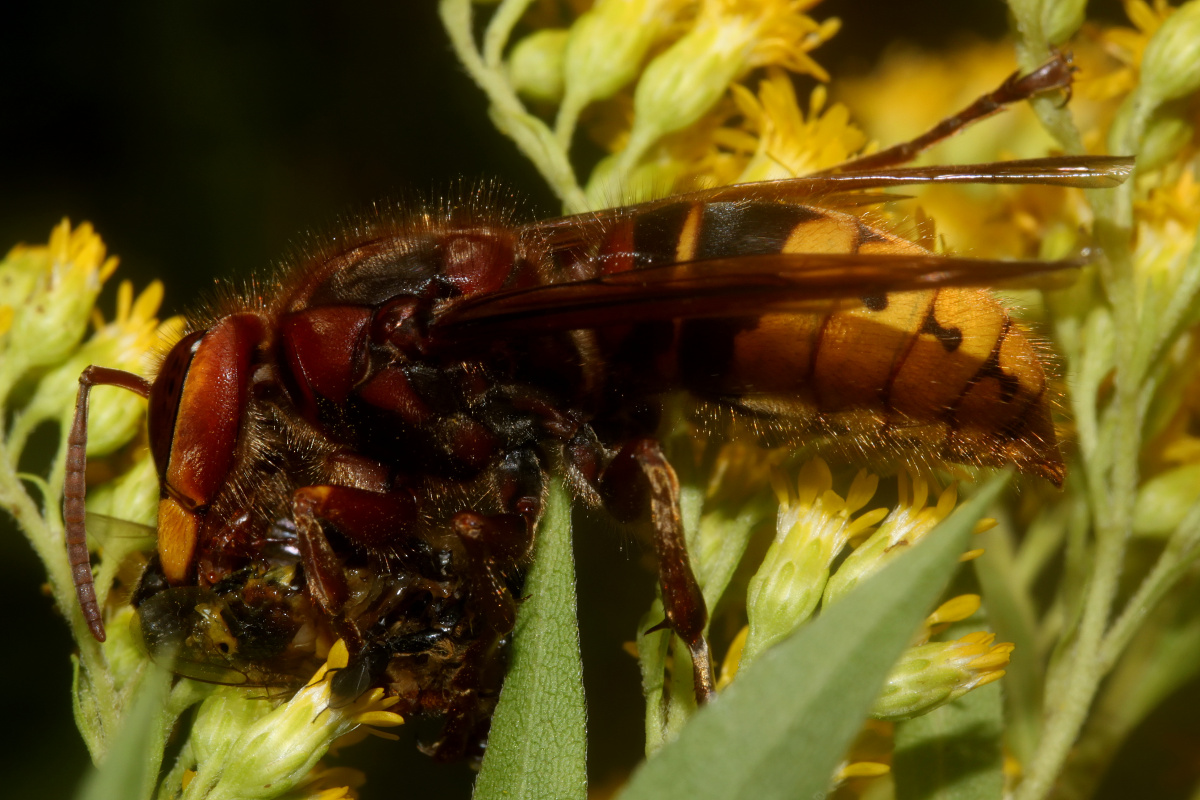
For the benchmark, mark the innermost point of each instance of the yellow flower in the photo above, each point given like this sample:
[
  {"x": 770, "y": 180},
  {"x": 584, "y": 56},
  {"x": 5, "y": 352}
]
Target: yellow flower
[
  {"x": 788, "y": 144},
  {"x": 860, "y": 769},
  {"x": 1166, "y": 229},
  {"x": 911, "y": 90},
  {"x": 328, "y": 783},
  {"x": 811, "y": 531},
  {"x": 728, "y": 39},
  {"x": 129, "y": 342},
  {"x": 956, "y": 609},
  {"x": 1124, "y": 46},
  {"x": 765, "y": 136},
  {"x": 48, "y": 293},
  {"x": 931, "y": 675},
  {"x": 733, "y": 658},
  {"x": 276, "y": 749},
  {"x": 906, "y": 525}
]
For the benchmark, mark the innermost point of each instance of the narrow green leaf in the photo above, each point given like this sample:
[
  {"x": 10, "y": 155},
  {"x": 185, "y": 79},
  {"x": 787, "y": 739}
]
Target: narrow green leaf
[
  {"x": 782, "y": 728},
  {"x": 537, "y": 749},
  {"x": 953, "y": 752},
  {"x": 130, "y": 769},
  {"x": 1010, "y": 614}
]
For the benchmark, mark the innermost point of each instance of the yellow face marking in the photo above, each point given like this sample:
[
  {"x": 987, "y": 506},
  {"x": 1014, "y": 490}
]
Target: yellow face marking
[{"x": 178, "y": 531}]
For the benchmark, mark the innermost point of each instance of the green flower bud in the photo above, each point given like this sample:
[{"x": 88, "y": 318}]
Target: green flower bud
[
  {"x": 1051, "y": 21},
  {"x": 51, "y": 321},
  {"x": 811, "y": 532},
  {"x": 114, "y": 415},
  {"x": 1061, "y": 19},
  {"x": 933, "y": 674},
  {"x": 18, "y": 273},
  {"x": 123, "y": 651},
  {"x": 1164, "y": 500},
  {"x": 220, "y": 717},
  {"x": 1171, "y": 62},
  {"x": 1166, "y": 133},
  {"x": 246, "y": 749},
  {"x": 684, "y": 82},
  {"x": 606, "y": 47},
  {"x": 535, "y": 68}
]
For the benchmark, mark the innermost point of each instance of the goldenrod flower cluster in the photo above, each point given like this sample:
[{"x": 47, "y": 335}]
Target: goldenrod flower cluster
[
  {"x": 798, "y": 573},
  {"x": 242, "y": 744},
  {"x": 692, "y": 93},
  {"x": 670, "y": 88},
  {"x": 246, "y": 748},
  {"x": 1125, "y": 331}
]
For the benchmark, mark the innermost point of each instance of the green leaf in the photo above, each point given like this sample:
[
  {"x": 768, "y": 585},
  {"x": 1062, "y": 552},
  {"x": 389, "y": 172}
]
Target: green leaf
[
  {"x": 953, "y": 752},
  {"x": 131, "y": 767},
  {"x": 1011, "y": 614},
  {"x": 780, "y": 730},
  {"x": 537, "y": 747}
]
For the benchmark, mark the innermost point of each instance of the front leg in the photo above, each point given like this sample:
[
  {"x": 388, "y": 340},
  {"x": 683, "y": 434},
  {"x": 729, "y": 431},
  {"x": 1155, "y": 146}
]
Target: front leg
[
  {"x": 371, "y": 519},
  {"x": 640, "y": 479}
]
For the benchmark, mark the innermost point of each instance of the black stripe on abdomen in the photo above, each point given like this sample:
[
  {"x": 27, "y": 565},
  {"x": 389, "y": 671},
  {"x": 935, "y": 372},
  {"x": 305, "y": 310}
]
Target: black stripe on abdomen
[
  {"x": 656, "y": 235},
  {"x": 748, "y": 229}
]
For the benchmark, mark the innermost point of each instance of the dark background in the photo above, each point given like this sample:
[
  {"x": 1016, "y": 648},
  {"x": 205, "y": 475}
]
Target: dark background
[{"x": 202, "y": 138}]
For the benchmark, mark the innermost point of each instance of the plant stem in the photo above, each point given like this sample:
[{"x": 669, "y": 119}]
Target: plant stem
[
  {"x": 499, "y": 29},
  {"x": 530, "y": 134},
  {"x": 1174, "y": 562}
]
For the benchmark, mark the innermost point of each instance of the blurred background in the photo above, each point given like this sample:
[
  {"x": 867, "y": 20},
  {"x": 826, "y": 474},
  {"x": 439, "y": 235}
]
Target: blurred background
[{"x": 201, "y": 139}]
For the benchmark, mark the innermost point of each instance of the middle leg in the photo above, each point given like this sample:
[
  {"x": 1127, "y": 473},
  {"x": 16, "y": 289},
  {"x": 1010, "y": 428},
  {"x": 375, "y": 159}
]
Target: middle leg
[{"x": 640, "y": 480}]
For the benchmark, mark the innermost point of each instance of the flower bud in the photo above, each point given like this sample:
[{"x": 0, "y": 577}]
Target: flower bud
[
  {"x": 1166, "y": 133},
  {"x": 1171, "y": 62},
  {"x": 273, "y": 752},
  {"x": 52, "y": 320},
  {"x": 811, "y": 532},
  {"x": 684, "y": 82},
  {"x": 933, "y": 674},
  {"x": 535, "y": 68},
  {"x": 18, "y": 273},
  {"x": 1055, "y": 20},
  {"x": 606, "y": 47},
  {"x": 1061, "y": 19},
  {"x": 1164, "y": 500},
  {"x": 115, "y": 414},
  {"x": 131, "y": 496}
]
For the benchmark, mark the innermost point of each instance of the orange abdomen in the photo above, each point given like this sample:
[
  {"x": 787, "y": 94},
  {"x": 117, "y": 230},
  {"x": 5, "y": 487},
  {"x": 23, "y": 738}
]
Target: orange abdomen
[{"x": 942, "y": 374}]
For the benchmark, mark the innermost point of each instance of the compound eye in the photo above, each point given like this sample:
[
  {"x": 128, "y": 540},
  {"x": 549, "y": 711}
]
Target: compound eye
[{"x": 165, "y": 394}]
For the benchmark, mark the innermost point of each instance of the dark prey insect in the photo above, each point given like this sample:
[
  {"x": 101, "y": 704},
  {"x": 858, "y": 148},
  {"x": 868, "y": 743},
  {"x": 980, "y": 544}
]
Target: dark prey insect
[{"x": 362, "y": 452}]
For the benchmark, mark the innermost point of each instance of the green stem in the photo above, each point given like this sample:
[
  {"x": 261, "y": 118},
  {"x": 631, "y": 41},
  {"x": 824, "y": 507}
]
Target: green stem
[
  {"x": 1112, "y": 483},
  {"x": 530, "y": 134},
  {"x": 500, "y": 29},
  {"x": 568, "y": 117},
  {"x": 1172, "y": 565},
  {"x": 46, "y": 538}
]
